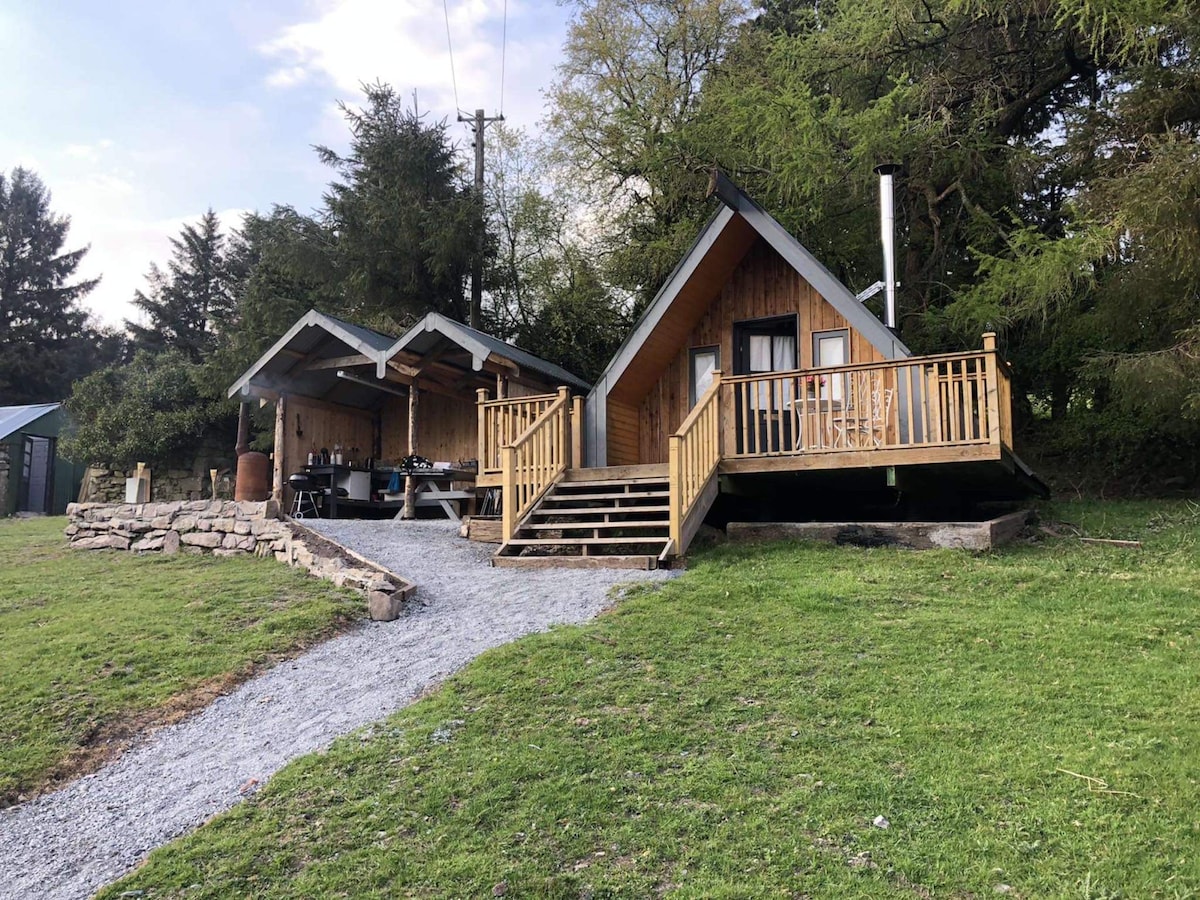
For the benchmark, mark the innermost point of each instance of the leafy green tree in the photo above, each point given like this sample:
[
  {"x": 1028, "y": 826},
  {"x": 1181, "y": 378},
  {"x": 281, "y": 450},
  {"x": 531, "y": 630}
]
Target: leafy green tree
[
  {"x": 405, "y": 220},
  {"x": 628, "y": 90},
  {"x": 186, "y": 305},
  {"x": 45, "y": 338},
  {"x": 547, "y": 290},
  {"x": 153, "y": 409}
]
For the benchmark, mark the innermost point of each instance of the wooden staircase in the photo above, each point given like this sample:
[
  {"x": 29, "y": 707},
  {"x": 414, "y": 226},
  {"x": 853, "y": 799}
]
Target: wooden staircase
[{"x": 616, "y": 517}]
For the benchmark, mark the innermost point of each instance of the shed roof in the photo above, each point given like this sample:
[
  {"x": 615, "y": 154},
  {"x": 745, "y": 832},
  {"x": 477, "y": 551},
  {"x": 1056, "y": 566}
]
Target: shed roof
[
  {"x": 317, "y": 336},
  {"x": 426, "y": 334},
  {"x": 305, "y": 360},
  {"x": 14, "y": 418}
]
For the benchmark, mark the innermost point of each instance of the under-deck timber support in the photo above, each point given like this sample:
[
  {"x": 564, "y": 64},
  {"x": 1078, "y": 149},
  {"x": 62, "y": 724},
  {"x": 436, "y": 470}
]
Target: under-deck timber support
[
  {"x": 277, "y": 459},
  {"x": 410, "y": 482}
]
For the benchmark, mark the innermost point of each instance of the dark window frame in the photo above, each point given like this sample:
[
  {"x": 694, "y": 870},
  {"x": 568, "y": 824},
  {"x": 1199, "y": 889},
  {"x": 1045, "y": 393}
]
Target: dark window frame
[
  {"x": 693, "y": 352},
  {"x": 768, "y": 325}
]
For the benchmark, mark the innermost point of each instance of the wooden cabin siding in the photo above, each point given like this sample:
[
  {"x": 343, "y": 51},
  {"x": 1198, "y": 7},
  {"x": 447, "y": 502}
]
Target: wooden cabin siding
[
  {"x": 323, "y": 425},
  {"x": 762, "y": 286},
  {"x": 624, "y": 431},
  {"x": 446, "y": 428}
]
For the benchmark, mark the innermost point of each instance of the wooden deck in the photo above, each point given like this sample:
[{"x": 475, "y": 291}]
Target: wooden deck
[{"x": 953, "y": 408}]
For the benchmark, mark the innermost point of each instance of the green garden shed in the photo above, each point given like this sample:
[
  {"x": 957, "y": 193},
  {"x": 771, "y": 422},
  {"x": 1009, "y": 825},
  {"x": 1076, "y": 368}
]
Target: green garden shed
[{"x": 33, "y": 477}]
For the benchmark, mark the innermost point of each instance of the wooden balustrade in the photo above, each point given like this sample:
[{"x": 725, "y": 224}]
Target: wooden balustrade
[
  {"x": 952, "y": 399},
  {"x": 695, "y": 452},
  {"x": 502, "y": 421},
  {"x": 534, "y": 459}
]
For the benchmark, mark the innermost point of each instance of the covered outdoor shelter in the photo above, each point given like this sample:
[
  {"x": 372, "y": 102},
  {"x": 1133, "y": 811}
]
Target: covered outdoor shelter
[{"x": 380, "y": 400}]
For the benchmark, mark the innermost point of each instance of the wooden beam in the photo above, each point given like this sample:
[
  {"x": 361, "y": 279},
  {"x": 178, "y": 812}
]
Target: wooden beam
[
  {"x": 497, "y": 360},
  {"x": 339, "y": 362},
  {"x": 407, "y": 371}
]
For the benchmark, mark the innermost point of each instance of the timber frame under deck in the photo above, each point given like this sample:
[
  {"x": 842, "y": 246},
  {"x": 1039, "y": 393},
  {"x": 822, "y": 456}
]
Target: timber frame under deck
[{"x": 943, "y": 409}]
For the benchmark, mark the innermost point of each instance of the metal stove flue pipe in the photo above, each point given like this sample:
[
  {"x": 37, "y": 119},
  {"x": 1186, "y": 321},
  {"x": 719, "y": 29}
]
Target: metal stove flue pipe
[{"x": 887, "y": 227}]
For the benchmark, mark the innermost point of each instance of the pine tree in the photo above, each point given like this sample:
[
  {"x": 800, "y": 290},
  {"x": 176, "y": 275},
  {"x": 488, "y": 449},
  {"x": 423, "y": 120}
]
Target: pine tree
[
  {"x": 187, "y": 304},
  {"x": 44, "y": 333},
  {"x": 406, "y": 221}
]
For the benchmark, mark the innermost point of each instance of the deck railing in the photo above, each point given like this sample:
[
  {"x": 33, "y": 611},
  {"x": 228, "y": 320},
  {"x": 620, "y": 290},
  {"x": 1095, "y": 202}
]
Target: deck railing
[
  {"x": 694, "y": 454},
  {"x": 534, "y": 459},
  {"x": 952, "y": 399},
  {"x": 502, "y": 421}
]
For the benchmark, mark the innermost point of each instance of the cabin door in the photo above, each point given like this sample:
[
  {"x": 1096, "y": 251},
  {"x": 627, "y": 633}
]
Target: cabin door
[
  {"x": 763, "y": 346},
  {"x": 37, "y": 469}
]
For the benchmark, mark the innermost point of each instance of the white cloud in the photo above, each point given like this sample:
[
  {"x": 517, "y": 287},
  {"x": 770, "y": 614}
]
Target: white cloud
[{"x": 404, "y": 44}]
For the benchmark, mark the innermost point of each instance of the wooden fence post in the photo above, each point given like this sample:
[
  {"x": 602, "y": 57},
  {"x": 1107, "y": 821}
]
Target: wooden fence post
[
  {"x": 992, "y": 360},
  {"x": 508, "y": 468},
  {"x": 675, "y": 483},
  {"x": 577, "y": 433},
  {"x": 481, "y": 397}
]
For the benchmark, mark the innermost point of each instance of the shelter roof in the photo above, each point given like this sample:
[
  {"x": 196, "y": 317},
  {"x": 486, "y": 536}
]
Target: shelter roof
[{"x": 14, "y": 418}]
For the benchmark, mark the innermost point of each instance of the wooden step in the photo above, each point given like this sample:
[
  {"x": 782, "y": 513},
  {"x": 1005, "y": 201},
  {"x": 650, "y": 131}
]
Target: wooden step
[
  {"x": 575, "y": 562},
  {"x": 637, "y": 495},
  {"x": 597, "y": 510},
  {"x": 630, "y": 484},
  {"x": 597, "y": 526},
  {"x": 616, "y": 473},
  {"x": 570, "y": 542}
]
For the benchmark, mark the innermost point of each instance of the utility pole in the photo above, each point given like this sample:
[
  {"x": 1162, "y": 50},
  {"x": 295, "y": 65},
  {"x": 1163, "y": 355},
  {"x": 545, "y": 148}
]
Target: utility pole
[{"x": 478, "y": 122}]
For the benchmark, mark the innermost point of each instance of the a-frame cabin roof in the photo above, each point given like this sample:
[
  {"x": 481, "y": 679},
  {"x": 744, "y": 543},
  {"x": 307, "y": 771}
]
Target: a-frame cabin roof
[{"x": 717, "y": 251}]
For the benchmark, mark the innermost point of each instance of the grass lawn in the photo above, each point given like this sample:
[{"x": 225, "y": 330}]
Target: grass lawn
[
  {"x": 1027, "y": 721},
  {"x": 95, "y": 646}
]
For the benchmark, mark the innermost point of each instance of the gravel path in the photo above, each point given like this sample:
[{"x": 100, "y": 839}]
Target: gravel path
[{"x": 70, "y": 843}]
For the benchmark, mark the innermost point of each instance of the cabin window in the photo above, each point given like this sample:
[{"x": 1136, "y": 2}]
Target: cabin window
[
  {"x": 765, "y": 345},
  {"x": 704, "y": 361},
  {"x": 831, "y": 348}
]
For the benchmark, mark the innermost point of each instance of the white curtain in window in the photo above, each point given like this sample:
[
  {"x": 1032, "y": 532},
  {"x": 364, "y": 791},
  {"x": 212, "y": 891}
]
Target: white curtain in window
[{"x": 703, "y": 366}]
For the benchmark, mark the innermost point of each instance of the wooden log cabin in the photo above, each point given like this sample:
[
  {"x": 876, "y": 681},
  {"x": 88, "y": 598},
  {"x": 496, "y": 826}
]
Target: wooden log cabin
[
  {"x": 754, "y": 375},
  {"x": 380, "y": 400}
]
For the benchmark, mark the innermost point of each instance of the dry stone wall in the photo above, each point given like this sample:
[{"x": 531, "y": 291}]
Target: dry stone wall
[{"x": 234, "y": 528}]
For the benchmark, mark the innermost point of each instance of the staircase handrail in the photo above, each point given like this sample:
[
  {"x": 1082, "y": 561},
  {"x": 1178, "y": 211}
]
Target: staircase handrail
[
  {"x": 534, "y": 461},
  {"x": 694, "y": 454}
]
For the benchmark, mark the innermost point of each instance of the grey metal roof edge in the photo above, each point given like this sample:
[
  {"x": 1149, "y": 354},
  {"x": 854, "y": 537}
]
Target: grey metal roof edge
[
  {"x": 330, "y": 324},
  {"x": 662, "y": 301},
  {"x": 802, "y": 260},
  {"x": 31, "y": 413}
]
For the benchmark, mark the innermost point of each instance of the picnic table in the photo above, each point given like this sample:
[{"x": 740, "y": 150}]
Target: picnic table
[{"x": 435, "y": 487}]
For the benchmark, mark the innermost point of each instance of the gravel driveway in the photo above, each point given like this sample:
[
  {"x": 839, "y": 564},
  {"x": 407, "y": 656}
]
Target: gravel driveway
[{"x": 69, "y": 843}]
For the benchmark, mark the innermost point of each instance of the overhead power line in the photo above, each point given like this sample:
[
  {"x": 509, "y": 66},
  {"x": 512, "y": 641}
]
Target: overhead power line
[
  {"x": 450, "y": 49},
  {"x": 503, "y": 54}
]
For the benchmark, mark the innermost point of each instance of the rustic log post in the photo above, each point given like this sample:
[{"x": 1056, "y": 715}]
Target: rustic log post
[
  {"x": 501, "y": 387},
  {"x": 410, "y": 481},
  {"x": 278, "y": 462},
  {"x": 243, "y": 431}
]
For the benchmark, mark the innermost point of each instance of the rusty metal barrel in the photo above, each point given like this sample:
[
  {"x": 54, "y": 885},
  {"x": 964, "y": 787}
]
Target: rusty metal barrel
[{"x": 253, "y": 477}]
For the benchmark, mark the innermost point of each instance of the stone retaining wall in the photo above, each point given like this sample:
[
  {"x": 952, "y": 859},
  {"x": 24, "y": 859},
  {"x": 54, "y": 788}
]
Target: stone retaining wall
[{"x": 234, "y": 528}]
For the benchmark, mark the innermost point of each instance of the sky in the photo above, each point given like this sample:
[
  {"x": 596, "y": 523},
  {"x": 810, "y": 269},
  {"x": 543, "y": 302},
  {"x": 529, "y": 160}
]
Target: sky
[{"x": 139, "y": 116}]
